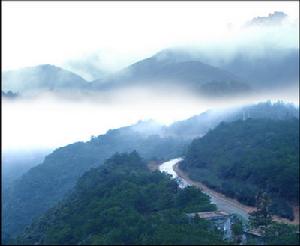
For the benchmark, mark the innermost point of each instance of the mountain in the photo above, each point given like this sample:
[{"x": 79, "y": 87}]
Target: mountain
[
  {"x": 16, "y": 162},
  {"x": 41, "y": 78},
  {"x": 152, "y": 72},
  {"x": 209, "y": 73},
  {"x": 199, "y": 125},
  {"x": 9, "y": 95},
  {"x": 167, "y": 73},
  {"x": 243, "y": 157},
  {"x": 273, "y": 19},
  {"x": 122, "y": 202},
  {"x": 268, "y": 67},
  {"x": 274, "y": 68},
  {"x": 46, "y": 184}
]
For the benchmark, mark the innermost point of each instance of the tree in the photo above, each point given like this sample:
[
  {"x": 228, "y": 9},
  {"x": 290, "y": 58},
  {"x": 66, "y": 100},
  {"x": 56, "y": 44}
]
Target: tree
[
  {"x": 237, "y": 229},
  {"x": 281, "y": 234},
  {"x": 261, "y": 217}
]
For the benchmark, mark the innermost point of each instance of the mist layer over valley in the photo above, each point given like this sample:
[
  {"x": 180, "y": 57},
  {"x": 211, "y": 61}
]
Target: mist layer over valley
[{"x": 26, "y": 122}]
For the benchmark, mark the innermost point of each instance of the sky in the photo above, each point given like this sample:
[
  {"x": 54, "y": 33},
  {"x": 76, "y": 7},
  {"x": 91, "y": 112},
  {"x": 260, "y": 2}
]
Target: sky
[
  {"x": 112, "y": 35},
  {"x": 109, "y": 36}
]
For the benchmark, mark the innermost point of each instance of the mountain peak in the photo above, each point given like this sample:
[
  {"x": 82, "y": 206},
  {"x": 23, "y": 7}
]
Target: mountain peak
[
  {"x": 275, "y": 18},
  {"x": 40, "y": 77},
  {"x": 173, "y": 55}
]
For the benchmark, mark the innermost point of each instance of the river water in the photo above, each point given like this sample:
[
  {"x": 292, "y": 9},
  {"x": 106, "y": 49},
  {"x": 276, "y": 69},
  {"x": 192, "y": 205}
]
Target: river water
[
  {"x": 167, "y": 167},
  {"x": 222, "y": 203}
]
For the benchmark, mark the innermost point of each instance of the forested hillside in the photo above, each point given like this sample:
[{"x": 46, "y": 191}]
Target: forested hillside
[
  {"x": 122, "y": 202},
  {"x": 243, "y": 157},
  {"x": 199, "y": 125},
  {"x": 46, "y": 184}
]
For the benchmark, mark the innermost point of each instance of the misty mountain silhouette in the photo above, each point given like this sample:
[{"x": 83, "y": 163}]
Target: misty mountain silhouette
[
  {"x": 275, "y": 68},
  {"x": 9, "y": 95},
  {"x": 275, "y": 18},
  {"x": 157, "y": 71},
  {"x": 179, "y": 68},
  {"x": 266, "y": 69},
  {"x": 41, "y": 78}
]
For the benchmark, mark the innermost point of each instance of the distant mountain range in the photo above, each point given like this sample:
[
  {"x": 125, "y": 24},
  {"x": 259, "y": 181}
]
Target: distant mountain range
[
  {"x": 9, "y": 95},
  {"x": 165, "y": 73},
  {"x": 275, "y": 68},
  {"x": 275, "y": 18},
  {"x": 264, "y": 68},
  {"x": 41, "y": 78},
  {"x": 192, "y": 70}
]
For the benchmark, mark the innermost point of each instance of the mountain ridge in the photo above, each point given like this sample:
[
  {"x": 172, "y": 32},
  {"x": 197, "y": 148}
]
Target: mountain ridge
[
  {"x": 41, "y": 77},
  {"x": 46, "y": 184}
]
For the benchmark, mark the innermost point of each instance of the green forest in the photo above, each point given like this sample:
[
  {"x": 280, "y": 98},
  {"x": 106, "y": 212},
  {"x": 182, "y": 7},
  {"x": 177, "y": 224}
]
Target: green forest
[
  {"x": 45, "y": 185},
  {"x": 242, "y": 158},
  {"x": 86, "y": 193},
  {"x": 122, "y": 202}
]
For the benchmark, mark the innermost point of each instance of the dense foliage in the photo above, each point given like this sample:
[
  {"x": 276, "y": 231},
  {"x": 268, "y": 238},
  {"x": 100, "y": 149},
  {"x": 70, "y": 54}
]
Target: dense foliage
[
  {"x": 122, "y": 202},
  {"x": 46, "y": 184},
  {"x": 262, "y": 216},
  {"x": 281, "y": 234},
  {"x": 243, "y": 157},
  {"x": 272, "y": 233}
]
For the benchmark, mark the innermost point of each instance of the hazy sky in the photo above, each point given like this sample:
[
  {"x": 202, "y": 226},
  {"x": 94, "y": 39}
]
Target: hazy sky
[
  {"x": 114, "y": 34},
  {"x": 47, "y": 122},
  {"x": 111, "y": 35}
]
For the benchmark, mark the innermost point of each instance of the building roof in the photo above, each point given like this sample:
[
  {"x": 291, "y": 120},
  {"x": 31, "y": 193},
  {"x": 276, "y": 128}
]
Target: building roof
[
  {"x": 210, "y": 215},
  {"x": 255, "y": 232}
]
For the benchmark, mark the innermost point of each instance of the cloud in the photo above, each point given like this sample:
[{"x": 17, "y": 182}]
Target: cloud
[
  {"x": 93, "y": 37},
  {"x": 49, "y": 122},
  {"x": 90, "y": 67},
  {"x": 55, "y": 32}
]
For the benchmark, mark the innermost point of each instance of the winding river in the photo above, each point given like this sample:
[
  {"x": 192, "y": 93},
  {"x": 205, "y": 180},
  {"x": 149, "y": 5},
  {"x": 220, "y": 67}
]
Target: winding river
[{"x": 222, "y": 202}]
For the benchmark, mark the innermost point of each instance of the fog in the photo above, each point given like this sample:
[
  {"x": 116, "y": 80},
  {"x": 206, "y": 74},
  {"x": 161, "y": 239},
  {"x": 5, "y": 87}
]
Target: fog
[
  {"x": 99, "y": 44},
  {"x": 16, "y": 162},
  {"x": 99, "y": 35},
  {"x": 49, "y": 121},
  {"x": 247, "y": 37}
]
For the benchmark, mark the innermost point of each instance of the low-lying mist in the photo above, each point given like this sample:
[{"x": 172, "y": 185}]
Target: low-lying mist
[{"x": 50, "y": 121}]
